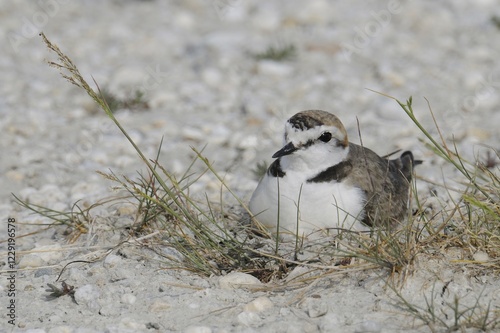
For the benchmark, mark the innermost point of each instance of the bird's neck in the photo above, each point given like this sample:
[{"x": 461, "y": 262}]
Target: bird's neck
[{"x": 308, "y": 165}]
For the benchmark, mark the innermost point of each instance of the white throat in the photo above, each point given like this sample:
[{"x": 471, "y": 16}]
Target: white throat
[{"x": 308, "y": 162}]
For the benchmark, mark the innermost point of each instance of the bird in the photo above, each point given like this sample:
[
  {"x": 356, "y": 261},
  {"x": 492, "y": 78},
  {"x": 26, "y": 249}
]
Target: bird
[{"x": 319, "y": 181}]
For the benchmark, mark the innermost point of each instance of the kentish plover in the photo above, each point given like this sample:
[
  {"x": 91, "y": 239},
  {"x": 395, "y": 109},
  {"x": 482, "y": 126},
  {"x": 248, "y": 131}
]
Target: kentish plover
[{"x": 321, "y": 181}]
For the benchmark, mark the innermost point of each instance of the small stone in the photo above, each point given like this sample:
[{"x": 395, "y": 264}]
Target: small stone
[
  {"x": 191, "y": 133},
  {"x": 185, "y": 19},
  {"x": 159, "y": 306},
  {"x": 129, "y": 323},
  {"x": 314, "y": 307},
  {"x": 85, "y": 330},
  {"x": 193, "y": 305},
  {"x": 259, "y": 304},
  {"x": 212, "y": 77},
  {"x": 61, "y": 329},
  {"x": 248, "y": 141},
  {"x": 30, "y": 156},
  {"x": 53, "y": 193},
  {"x": 127, "y": 210},
  {"x": 14, "y": 175},
  {"x": 85, "y": 190},
  {"x": 128, "y": 298},
  {"x": 123, "y": 161},
  {"x": 315, "y": 12},
  {"x": 31, "y": 260},
  {"x": 368, "y": 326},
  {"x": 42, "y": 272},
  {"x": 331, "y": 322},
  {"x": 161, "y": 98},
  {"x": 126, "y": 77},
  {"x": 481, "y": 256},
  {"x": 249, "y": 319},
  {"x": 198, "y": 329},
  {"x": 479, "y": 133},
  {"x": 112, "y": 260},
  {"x": 274, "y": 68},
  {"x": 88, "y": 295},
  {"x": 237, "y": 280},
  {"x": 267, "y": 19},
  {"x": 285, "y": 312},
  {"x": 47, "y": 194},
  {"x": 51, "y": 254},
  {"x": 297, "y": 272}
]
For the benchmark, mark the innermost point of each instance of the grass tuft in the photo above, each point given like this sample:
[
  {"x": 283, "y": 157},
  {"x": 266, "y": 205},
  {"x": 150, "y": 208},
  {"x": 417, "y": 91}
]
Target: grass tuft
[
  {"x": 133, "y": 101},
  {"x": 280, "y": 53},
  {"x": 201, "y": 237},
  {"x": 459, "y": 314}
]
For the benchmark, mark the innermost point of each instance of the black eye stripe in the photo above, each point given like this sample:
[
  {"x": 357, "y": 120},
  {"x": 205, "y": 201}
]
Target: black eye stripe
[{"x": 325, "y": 137}]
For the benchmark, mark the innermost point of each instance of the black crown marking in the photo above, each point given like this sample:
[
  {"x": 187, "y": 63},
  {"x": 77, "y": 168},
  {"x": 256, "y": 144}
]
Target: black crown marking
[{"x": 303, "y": 122}]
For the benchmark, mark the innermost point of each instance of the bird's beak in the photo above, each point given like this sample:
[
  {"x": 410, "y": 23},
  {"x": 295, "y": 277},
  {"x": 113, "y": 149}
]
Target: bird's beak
[{"x": 286, "y": 150}]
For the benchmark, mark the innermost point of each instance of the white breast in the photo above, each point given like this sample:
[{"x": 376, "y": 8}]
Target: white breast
[{"x": 313, "y": 206}]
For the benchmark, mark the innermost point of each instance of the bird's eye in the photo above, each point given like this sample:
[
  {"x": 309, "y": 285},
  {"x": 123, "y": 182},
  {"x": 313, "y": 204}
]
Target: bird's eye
[{"x": 325, "y": 137}]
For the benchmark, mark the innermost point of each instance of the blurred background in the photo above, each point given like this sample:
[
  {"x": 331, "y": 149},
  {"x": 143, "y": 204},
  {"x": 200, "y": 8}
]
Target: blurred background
[{"x": 226, "y": 74}]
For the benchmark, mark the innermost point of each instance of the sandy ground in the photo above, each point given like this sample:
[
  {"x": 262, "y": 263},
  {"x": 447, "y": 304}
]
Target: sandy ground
[{"x": 194, "y": 62}]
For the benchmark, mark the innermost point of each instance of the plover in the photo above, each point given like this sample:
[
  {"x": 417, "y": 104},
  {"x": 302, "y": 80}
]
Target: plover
[{"x": 321, "y": 181}]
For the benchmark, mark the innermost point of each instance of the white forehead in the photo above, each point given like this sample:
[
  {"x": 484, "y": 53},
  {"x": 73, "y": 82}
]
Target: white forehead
[{"x": 297, "y": 135}]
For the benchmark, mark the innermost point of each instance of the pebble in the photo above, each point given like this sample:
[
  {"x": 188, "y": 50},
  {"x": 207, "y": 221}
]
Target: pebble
[
  {"x": 53, "y": 192},
  {"x": 249, "y": 319},
  {"x": 267, "y": 19},
  {"x": 31, "y": 260},
  {"x": 54, "y": 318},
  {"x": 43, "y": 272},
  {"x": 130, "y": 324},
  {"x": 481, "y": 256},
  {"x": 27, "y": 157},
  {"x": 259, "y": 304},
  {"x": 192, "y": 133},
  {"x": 127, "y": 76},
  {"x": 15, "y": 175},
  {"x": 185, "y": 20},
  {"x": 368, "y": 326},
  {"x": 160, "y": 99},
  {"x": 274, "y": 68},
  {"x": 87, "y": 295},
  {"x": 47, "y": 195},
  {"x": 236, "y": 280},
  {"x": 85, "y": 190},
  {"x": 193, "y": 305},
  {"x": 61, "y": 329},
  {"x": 85, "y": 330},
  {"x": 51, "y": 254},
  {"x": 314, "y": 307},
  {"x": 123, "y": 161},
  {"x": 316, "y": 11},
  {"x": 126, "y": 210},
  {"x": 159, "y": 306},
  {"x": 297, "y": 272},
  {"x": 331, "y": 322},
  {"x": 198, "y": 329},
  {"x": 112, "y": 260},
  {"x": 478, "y": 133},
  {"x": 128, "y": 299},
  {"x": 211, "y": 76}
]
